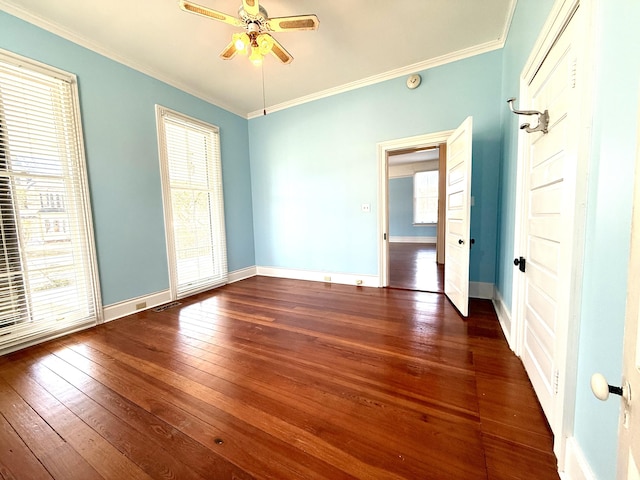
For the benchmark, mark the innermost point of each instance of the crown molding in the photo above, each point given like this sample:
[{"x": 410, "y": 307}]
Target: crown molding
[
  {"x": 145, "y": 69},
  {"x": 88, "y": 44},
  {"x": 382, "y": 77},
  {"x": 507, "y": 25}
]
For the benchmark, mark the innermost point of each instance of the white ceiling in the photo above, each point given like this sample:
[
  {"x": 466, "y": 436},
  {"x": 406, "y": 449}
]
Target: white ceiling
[
  {"x": 414, "y": 157},
  {"x": 359, "y": 42}
]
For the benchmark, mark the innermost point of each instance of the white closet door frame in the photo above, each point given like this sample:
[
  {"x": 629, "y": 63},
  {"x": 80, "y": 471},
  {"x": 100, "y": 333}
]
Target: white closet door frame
[{"x": 563, "y": 10}]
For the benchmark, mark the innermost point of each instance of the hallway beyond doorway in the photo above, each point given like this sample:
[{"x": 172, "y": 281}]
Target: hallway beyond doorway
[{"x": 412, "y": 266}]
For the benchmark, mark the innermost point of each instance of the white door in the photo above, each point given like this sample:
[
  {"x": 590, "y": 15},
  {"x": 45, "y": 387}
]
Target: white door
[
  {"x": 547, "y": 248},
  {"x": 458, "y": 216},
  {"x": 629, "y": 429}
]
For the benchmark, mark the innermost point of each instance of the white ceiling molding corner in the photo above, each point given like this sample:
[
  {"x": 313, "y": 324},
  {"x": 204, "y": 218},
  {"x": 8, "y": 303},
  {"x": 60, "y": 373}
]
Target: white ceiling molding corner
[{"x": 382, "y": 77}]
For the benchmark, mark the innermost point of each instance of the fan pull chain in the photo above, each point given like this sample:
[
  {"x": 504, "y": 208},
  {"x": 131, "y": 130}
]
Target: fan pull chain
[{"x": 264, "y": 101}]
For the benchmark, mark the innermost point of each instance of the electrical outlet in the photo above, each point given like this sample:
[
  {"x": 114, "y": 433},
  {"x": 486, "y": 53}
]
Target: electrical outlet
[
  {"x": 366, "y": 207},
  {"x": 140, "y": 306},
  {"x": 327, "y": 279}
]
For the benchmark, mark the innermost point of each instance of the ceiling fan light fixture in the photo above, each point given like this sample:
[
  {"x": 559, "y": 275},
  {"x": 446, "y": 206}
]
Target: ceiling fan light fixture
[
  {"x": 241, "y": 42},
  {"x": 265, "y": 43},
  {"x": 257, "y": 25},
  {"x": 256, "y": 57}
]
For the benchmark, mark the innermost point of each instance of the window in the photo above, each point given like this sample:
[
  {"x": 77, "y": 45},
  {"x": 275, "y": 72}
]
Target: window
[
  {"x": 48, "y": 279},
  {"x": 193, "y": 202},
  {"x": 425, "y": 197}
]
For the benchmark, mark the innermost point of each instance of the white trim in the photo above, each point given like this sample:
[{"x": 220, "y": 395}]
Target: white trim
[
  {"x": 319, "y": 276},
  {"x": 242, "y": 274},
  {"x": 482, "y": 290},
  {"x": 576, "y": 466},
  {"x": 94, "y": 47},
  {"x": 507, "y": 25},
  {"x": 429, "y": 240},
  {"x": 383, "y": 148},
  {"x": 504, "y": 316},
  {"x": 382, "y": 77},
  {"x": 127, "y": 307}
]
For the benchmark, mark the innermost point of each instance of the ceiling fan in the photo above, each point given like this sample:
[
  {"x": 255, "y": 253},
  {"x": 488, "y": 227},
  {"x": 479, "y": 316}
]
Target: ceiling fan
[{"x": 258, "y": 27}]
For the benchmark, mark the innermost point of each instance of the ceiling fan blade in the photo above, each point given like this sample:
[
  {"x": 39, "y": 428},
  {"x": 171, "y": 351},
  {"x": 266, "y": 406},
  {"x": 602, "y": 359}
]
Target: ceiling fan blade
[
  {"x": 191, "y": 7},
  {"x": 280, "y": 53},
  {"x": 251, "y": 7},
  {"x": 298, "y": 22},
  {"x": 229, "y": 51}
]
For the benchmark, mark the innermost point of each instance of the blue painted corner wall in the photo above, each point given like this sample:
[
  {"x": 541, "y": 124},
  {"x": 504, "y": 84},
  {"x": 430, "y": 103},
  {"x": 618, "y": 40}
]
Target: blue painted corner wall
[
  {"x": 118, "y": 118},
  {"x": 313, "y": 166}
]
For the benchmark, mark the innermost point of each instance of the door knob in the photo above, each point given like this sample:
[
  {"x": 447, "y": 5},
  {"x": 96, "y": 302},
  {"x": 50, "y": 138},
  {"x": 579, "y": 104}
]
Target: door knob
[
  {"x": 521, "y": 263},
  {"x": 601, "y": 388},
  {"x": 461, "y": 241}
]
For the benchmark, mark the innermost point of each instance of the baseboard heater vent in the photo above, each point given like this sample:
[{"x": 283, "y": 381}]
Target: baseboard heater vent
[{"x": 164, "y": 307}]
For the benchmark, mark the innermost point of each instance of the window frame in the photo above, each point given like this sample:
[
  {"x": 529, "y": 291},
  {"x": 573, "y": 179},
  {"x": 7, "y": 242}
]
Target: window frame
[
  {"x": 415, "y": 198},
  {"x": 31, "y": 332},
  {"x": 176, "y": 290}
]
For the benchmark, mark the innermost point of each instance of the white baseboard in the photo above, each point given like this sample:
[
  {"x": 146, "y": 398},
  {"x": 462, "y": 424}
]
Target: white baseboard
[
  {"x": 504, "y": 316},
  {"x": 481, "y": 290},
  {"x": 241, "y": 274},
  {"x": 127, "y": 307},
  {"x": 576, "y": 466},
  {"x": 431, "y": 240},
  {"x": 122, "y": 309},
  {"x": 342, "y": 278}
]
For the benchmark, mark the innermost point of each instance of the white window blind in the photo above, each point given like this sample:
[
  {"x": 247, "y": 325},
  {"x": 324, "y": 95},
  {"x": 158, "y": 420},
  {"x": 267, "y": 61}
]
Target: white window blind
[
  {"x": 425, "y": 197},
  {"x": 193, "y": 202},
  {"x": 48, "y": 279}
]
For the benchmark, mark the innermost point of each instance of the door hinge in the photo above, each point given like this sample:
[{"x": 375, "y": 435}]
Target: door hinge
[
  {"x": 556, "y": 381},
  {"x": 384, "y": 236},
  {"x": 574, "y": 72}
]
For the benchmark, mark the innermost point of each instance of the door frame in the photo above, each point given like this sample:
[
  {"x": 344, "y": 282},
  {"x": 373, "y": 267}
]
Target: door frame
[
  {"x": 561, "y": 13},
  {"x": 383, "y": 149}
]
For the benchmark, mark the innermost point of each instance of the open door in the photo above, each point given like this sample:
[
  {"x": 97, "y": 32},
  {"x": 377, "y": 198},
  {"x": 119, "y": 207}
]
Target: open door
[{"x": 458, "y": 216}]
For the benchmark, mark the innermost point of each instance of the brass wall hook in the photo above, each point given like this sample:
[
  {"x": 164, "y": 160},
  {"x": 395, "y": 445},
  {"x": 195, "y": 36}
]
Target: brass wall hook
[{"x": 543, "y": 118}]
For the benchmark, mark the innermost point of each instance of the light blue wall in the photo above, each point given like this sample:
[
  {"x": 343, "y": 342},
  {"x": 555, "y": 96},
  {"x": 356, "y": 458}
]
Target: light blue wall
[
  {"x": 118, "y": 115},
  {"x": 615, "y": 127},
  {"x": 315, "y": 164},
  {"x": 401, "y": 210},
  {"x": 527, "y": 22}
]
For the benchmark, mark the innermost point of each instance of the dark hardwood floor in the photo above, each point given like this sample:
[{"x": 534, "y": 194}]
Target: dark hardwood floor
[
  {"x": 413, "y": 266},
  {"x": 279, "y": 379}
]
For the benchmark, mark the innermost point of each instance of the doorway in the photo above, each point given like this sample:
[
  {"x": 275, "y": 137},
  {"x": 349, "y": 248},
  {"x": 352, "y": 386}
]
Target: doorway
[
  {"x": 386, "y": 151},
  {"x": 413, "y": 205}
]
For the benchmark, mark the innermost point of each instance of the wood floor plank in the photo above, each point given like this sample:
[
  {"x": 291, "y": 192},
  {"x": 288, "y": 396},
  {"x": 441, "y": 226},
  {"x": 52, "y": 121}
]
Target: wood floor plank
[
  {"x": 376, "y": 418},
  {"x": 101, "y": 455},
  {"x": 267, "y": 422},
  {"x": 150, "y": 456},
  {"x": 165, "y": 437},
  {"x": 16, "y": 460},
  {"x": 57, "y": 456},
  {"x": 244, "y": 445},
  {"x": 279, "y": 379}
]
